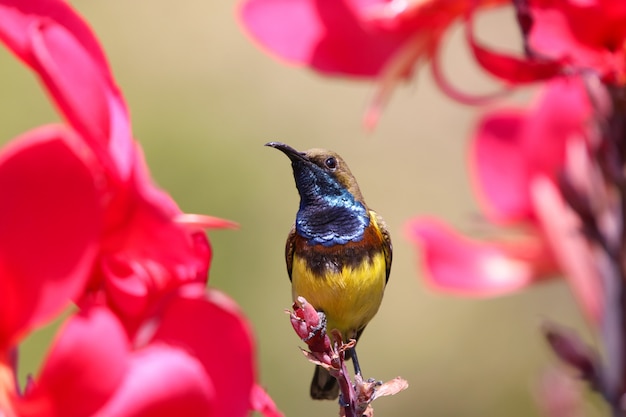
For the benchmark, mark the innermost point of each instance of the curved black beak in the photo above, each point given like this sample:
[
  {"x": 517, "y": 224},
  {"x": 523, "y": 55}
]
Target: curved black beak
[{"x": 293, "y": 154}]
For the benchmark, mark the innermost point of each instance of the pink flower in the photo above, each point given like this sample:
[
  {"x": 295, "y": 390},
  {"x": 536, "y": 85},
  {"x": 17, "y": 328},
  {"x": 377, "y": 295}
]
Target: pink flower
[
  {"x": 148, "y": 246},
  {"x": 94, "y": 228},
  {"x": 59, "y": 46},
  {"x": 94, "y": 369},
  {"x": 386, "y": 39},
  {"x": 149, "y": 249},
  {"x": 516, "y": 158},
  {"x": 563, "y": 36},
  {"x": 467, "y": 267},
  {"x": 352, "y": 37},
  {"x": 224, "y": 347},
  {"x": 49, "y": 229},
  {"x": 332, "y": 36},
  {"x": 587, "y": 34},
  {"x": 50, "y": 221},
  {"x": 215, "y": 368},
  {"x": 85, "y": 365}
]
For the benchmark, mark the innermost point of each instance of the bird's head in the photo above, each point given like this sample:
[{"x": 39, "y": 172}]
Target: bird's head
[{"x": 320, "y": 174}]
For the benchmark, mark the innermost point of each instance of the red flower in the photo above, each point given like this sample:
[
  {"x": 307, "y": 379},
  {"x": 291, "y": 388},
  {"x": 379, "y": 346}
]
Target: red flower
[
  {"x": 94, "y": 369},
  {"x": 62, "y": 50},
  {"x": 563, "y": 36},
  {"x": 457, "y": 264},
  {"x": 149, "y": 249},
  {"x": 516, "y": 159},
  {"x": 148, "y": 246},
  {"x": 86, "y": 364},
  {"x": 46, "y": 249},
  {"x": 386, "y": 39},
  {"x": 588, "y": 35},
  {"x": 353, "y": 37},
  {"x": 214, "y": 369},
  {"x": 84, "y": 221}
]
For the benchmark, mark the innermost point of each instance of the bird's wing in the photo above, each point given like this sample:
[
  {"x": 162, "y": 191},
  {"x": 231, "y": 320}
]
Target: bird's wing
[
  {"x": 290, "y": 247},
  {"x": 387, "y": 247}
]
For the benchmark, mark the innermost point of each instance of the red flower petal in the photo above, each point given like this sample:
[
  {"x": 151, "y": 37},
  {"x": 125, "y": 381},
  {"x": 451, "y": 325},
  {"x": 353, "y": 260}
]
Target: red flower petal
[
  {"x": 84, "y": 368},
  {"x": 162, "y": 381},
  {"x": 425, "y": 24},
  {"x": 499, "y": 166},
  {"x": 332, "y": 36},
  {"x": 205, "y": 222},
  {"x": 457, "y": 94},
  {"x": 83, "y": 90},
  {"x": 49, "y": 228},
  {"x": 74, "y": 79},
  {"x": 146, "y": 252},
  {"x": 551, "y": 35},
  {"x": 455, "y": 264},
  {"x": 127, "y": 287},
  {"x": 592, "y": 32},
  {"x": 157, "y": 259},
  {"x": 224, "y": 346},
  {"x": 51, "y": 38},
  {"x": 19, "y": 16},
  {"x": 263, "y": 403},
  {"x": 511, "y": 147},
  {"x": 510, "y": 68}
]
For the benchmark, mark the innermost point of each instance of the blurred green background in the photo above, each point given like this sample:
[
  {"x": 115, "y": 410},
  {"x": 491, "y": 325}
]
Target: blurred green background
[{"x": 204, "y": 99}]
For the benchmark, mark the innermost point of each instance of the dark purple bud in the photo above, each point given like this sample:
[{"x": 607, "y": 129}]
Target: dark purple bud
[{"x": 570, "y": 349}]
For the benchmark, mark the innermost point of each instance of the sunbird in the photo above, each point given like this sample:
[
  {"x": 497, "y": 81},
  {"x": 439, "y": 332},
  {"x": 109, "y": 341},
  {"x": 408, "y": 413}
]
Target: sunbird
[{"x": 338, "y": 251}]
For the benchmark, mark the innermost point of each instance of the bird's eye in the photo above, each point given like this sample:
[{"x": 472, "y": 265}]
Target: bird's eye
[{"x": 331, "y": 163}]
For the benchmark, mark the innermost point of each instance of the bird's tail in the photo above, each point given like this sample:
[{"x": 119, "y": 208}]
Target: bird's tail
[{"x": 324, "y": 386}]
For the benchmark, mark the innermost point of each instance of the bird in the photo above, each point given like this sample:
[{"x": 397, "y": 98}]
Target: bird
[{"x": 338, "y": 251}]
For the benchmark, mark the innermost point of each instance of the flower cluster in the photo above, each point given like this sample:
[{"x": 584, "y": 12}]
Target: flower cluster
[
  {"x": 82, "y": 222},
  {"x": 355, "y": 398},
  {"x": 552, "y": 174}
]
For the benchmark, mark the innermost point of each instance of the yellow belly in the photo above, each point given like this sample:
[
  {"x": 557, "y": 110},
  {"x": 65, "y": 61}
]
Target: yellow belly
[{"x": 349, "y": 298}]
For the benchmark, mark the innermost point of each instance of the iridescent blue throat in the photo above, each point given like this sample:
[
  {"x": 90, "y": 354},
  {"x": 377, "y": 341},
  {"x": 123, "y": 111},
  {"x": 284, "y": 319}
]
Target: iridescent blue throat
[{"x": 329, "y": 214}]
